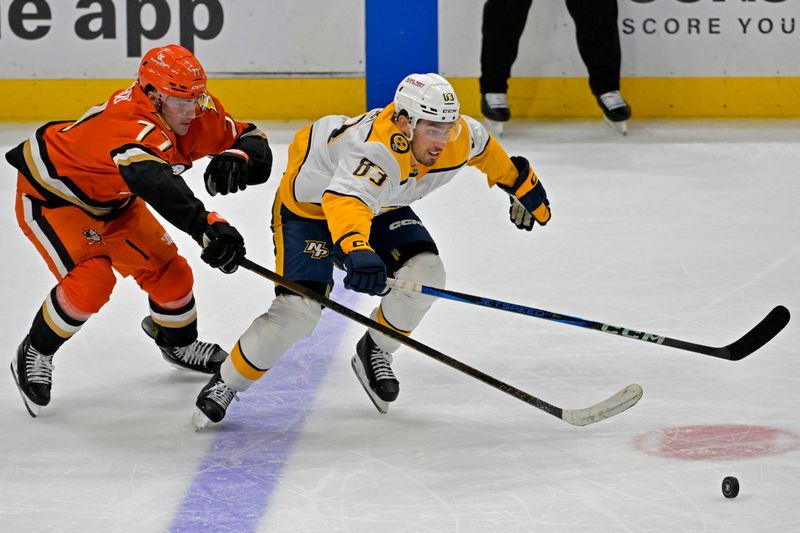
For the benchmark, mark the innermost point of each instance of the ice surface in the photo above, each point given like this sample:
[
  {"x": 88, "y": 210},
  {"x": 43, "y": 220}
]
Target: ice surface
[{"x": 685, "y": 229}]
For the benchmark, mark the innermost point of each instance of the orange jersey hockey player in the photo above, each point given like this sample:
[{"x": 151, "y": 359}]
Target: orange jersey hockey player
[{"x": 81, "y": 193}]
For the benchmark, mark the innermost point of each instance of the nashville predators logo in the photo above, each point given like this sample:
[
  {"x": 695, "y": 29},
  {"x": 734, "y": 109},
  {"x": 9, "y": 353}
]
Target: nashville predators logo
[
  {"x": 399, "y": 143},
  {"x": 92, "y": 237},
  {"x": 317, "y": 249}
]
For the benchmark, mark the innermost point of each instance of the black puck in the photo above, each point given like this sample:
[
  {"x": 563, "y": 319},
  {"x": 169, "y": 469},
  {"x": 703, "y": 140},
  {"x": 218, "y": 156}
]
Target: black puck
[{"x": 730, "y": 487}]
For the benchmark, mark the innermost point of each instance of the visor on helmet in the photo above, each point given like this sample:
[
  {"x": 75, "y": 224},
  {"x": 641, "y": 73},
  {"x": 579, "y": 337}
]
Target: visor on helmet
[
  {"x": 172, "y": 105},
  {"x": 438, "y": 131}
]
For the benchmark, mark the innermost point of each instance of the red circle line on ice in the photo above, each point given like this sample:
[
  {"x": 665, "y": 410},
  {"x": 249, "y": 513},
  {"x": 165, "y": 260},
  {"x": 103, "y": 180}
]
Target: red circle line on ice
[{"x": 717, "y": 442}]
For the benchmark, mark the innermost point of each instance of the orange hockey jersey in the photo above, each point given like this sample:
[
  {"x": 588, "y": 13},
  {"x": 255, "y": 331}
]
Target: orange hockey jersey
[{"x": 121, "y": 149}]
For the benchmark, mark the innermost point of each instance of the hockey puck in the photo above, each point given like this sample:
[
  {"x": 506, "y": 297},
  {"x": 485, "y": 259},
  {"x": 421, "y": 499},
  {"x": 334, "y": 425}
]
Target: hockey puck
[{"x": 730, "y": 487}]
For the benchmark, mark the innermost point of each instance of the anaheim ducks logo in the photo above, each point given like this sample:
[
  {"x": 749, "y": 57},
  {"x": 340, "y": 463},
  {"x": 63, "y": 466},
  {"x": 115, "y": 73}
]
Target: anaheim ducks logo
[
  {"x": 399, "y": 143},
  {"x": 93, "y": 237},
  {"x": 206, "y": 102}
]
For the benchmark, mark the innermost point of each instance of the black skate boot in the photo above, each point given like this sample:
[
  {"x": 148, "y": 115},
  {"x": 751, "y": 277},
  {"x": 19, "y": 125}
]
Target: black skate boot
[
  {"x": 212, "y": 402},
  {"x": 494, "y": 107},
  {"x": 374, "y": 371},
  {"x": 33, "y": 374},
  {"x": 615, "y": 110},
  {"x": 199, "y": 356}
]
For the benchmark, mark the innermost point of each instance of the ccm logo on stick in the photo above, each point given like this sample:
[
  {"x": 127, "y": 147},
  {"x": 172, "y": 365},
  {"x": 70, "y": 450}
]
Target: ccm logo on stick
[{"x": 625, "y": 332}]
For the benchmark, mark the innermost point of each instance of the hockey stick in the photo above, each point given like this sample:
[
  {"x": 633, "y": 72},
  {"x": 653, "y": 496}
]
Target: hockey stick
[
  {"x": 609, "y": 407},
  {"x": 751, "y": 341}
]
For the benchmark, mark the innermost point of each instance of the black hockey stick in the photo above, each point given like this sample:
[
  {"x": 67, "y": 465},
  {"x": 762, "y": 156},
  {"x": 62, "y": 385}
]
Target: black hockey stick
[
  {"x": 609, "y": 407},
  {"x": 754, "y": 339}
]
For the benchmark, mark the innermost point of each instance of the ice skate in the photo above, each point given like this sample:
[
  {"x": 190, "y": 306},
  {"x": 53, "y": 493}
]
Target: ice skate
[
  {"x": 199, "y": 356},
  {"x": 616, "y": 110},
  {"x": 494, "y": 107},
  {"x": 212, "y": 403},
  {"x": 373, "y": 369},
  {"x": 33, "y": 375}
]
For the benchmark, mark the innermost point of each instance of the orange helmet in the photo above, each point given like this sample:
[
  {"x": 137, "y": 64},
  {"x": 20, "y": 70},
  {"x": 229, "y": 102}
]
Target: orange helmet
[{"x": 174, "y": 71}]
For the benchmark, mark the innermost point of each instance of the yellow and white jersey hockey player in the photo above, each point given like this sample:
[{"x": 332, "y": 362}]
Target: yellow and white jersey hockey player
[
  {"x": 348, "y": 170},
  {"x": 345, "y": 199}
]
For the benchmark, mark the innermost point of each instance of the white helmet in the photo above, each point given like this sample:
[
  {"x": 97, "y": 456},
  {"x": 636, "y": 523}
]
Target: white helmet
[{"x": 426, "y": 96}]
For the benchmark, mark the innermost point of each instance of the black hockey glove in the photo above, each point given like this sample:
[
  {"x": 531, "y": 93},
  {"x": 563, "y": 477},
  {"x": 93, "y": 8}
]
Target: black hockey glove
[
  {"x": 223, "y": 245},
  {"x": 365, "y": 270},
  {"x": 227, "y": 172},
  {"x": 529, "y": 203}
]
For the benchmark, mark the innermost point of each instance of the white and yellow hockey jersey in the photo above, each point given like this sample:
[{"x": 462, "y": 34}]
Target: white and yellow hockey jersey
[{"x": 347, "y": 170}]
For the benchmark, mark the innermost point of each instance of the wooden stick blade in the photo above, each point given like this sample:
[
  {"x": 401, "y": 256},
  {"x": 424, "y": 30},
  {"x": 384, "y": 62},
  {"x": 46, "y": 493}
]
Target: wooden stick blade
[{"x": 619, "y": 402}]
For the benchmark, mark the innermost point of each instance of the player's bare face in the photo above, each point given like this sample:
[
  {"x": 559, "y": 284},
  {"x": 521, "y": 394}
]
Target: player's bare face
[
  {"x": 430, "y": 138},
  {"x": 179, "y": 113}
]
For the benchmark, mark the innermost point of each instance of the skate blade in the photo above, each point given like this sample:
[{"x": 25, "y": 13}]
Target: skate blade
[
  {"x": 32, "y": 408},
  {"x": 191, "y": 370},
  {"x": 494, "y": 127},
  {"x": 200, "y": 421},
  {"x": 381, "y": 405},
  {"x": 620, "y": 127}
]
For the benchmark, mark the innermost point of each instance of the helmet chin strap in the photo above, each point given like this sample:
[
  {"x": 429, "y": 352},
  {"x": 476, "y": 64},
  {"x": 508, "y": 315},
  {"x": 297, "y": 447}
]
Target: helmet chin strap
[
  {"x": 158, "y": 101},
  {"x": 412, "y": 123},
  {"x": 410, "y": 134}
]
